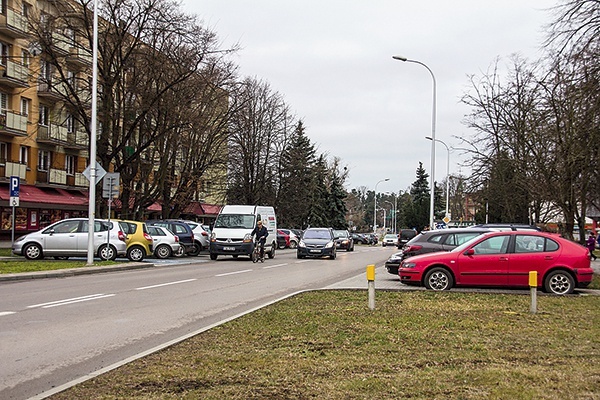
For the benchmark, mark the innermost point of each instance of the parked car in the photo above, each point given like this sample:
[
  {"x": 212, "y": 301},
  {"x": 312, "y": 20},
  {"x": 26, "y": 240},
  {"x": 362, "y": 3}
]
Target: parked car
[
  {"x": 183, "y": 231},
  {"x": 393, "y": 262},
  {"x": 390, "y": 239},
  {"x": 139, "y": 241},
  {"x": 359, "y": 238},
  {"x": 69, "y": 238},
  {"x": 283, "y": 239},
  {"x": 344, "y": 240},
  {"x": 404, "y": 236},
  {"x": 201, "y": 235},
  {"x": 165, "y": 243},
  {"x": 292, "y": 240},
  {"x": 317, "y": 242},
  {"x": 433, "y": 241},
  {"x": 508, "y": 227},
  {"x": 503, "y": 259}
]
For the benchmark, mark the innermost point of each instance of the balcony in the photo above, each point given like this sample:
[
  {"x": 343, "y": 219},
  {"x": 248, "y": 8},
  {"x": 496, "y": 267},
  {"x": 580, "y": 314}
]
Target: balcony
[
  {"x": 14, "y": 169},
  {"x": 52, "y": 134},
  {"x": 49, "y": 91},
  {"x": 52, "y": 176},
  {"x": 13, "y": 24},
  {"x": 81, "y": 180},
  {"x": 13, "y": 124},
  {"x": 14, "y": 75},
  {"x": 79, "y": 58},
  {"x": 77, "y": 140},
  {"x": 61, "y": 44}
]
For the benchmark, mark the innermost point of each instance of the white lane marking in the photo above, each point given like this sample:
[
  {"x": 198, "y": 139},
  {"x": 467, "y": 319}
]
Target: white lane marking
[
  {"x": 236, "y": 272},
  {"x": 68, "y": 301},
  {"x": 64, "y": 303},
  {"x": 275, "y": 266},
  {"x": 165, "y": 284},
  {"x": 3, "y": 313}
]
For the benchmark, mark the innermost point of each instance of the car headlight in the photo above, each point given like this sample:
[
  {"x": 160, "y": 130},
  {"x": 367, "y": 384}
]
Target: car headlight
[
  {"x": 329, "y": 245},
  {"x": 408, "y": 264},
  {"x": 301, "y": 243}
]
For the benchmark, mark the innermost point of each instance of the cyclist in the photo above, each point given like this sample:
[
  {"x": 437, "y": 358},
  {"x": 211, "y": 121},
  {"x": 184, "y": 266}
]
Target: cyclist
[{"x": 261, "y": 233}]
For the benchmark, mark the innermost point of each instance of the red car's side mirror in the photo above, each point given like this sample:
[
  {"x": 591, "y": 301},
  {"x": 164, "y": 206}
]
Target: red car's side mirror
[{"x": 469, "y": 252}]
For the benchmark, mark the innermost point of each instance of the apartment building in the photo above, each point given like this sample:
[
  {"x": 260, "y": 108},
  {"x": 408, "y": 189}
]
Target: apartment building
[{"x": 41, "y": 139}]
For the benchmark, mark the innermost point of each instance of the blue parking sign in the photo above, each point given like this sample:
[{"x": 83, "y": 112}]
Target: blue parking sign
[{"x": 14, "y": 186}]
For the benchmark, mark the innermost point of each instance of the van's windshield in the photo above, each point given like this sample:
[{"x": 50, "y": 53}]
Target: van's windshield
[{"x": 235, "y": 221}]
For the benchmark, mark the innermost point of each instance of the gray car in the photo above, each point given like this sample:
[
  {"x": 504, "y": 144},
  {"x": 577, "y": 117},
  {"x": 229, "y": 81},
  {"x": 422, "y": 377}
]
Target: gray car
[
  {"x": 317, "y": 242},
  {"x": 165, "y": 243},
  {"x": 69, "y": 238}
]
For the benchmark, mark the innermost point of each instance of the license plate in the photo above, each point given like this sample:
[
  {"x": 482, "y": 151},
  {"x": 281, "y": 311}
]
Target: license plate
[
  {"x": 315, "y": 251},
  {"x": 229, "y": 248}
]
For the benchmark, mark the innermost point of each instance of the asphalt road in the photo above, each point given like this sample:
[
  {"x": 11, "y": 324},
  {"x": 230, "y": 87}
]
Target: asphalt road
[{"x": 56, "y": 331}]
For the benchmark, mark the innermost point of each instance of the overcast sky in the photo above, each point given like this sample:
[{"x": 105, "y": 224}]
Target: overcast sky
[{"x": 332, "y": 62}]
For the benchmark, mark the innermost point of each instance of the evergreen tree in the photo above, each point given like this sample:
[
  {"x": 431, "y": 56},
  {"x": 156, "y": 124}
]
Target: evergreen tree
[
  {"x": 296, "y": 177},
  {"x": 319, "y": 209},
  {"x": 337, "y": 204},
  {"x": 416, "y": 212}
]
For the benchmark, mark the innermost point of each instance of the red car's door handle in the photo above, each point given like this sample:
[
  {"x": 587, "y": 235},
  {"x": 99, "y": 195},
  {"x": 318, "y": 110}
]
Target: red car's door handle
[{"x": 503, "y": 258}]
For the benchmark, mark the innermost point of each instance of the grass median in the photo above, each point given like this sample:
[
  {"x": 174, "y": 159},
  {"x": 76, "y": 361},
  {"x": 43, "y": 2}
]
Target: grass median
[
  {"x": 420, "y": 345},
  {"x": 16, "y": 264}
]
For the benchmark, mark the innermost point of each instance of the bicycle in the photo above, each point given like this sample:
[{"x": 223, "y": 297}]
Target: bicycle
[{"x": 255, "y": 256}]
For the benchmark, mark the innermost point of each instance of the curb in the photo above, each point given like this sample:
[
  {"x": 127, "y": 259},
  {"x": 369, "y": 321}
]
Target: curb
[{"x": 63, "y": 273}]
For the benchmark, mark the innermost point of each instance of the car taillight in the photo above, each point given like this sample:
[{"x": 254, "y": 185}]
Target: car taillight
[
  {"x": 176, "y": 238},
  {"x": 412, "y": 248},
  {"x": 204, "y": 234},
  {"x": 192, "y": 237},
  {"x": 147, "y": 237},
  {"x": 122, "y": 236}
]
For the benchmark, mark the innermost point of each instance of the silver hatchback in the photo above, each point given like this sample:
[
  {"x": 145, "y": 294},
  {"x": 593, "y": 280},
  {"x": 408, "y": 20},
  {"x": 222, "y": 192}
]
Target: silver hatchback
[{"x": 69, "y": 238}]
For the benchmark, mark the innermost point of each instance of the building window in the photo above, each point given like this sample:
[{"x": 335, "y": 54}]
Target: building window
[
  {"x": 70, "y": 123},
  {"x": 3, "y": 103},
  {"x": 3, "y": 53},
  {"x": 3, "y": 152},
  {"x": 70, "y": 164},
  {"x": 24, "y": 106},
  {"x": 43, "y": 160},
  {"x": 43, "y": 115},
  {"x": 25, "y": 57},
  {"x": 24, "y": 155}
]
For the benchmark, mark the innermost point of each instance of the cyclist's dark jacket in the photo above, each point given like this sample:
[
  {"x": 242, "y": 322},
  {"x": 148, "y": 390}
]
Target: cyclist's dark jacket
[{"x": 261, "y": 233}]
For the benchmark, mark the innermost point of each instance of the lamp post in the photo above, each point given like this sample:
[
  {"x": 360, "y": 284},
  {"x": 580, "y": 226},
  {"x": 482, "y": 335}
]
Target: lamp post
[
  {"x": 433, "y": 114},
  {"x": 447, "y": 171},
  {"x": 375, "y": 205},
  {"x": 393, "y": 222}
]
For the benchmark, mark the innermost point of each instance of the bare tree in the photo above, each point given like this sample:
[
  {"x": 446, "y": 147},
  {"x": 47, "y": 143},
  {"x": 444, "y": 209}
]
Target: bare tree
[{"x": 262, "y": 122}]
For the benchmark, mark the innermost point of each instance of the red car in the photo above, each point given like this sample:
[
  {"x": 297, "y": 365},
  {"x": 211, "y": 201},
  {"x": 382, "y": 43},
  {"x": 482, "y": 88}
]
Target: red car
[{"x": 505, "y": 259}]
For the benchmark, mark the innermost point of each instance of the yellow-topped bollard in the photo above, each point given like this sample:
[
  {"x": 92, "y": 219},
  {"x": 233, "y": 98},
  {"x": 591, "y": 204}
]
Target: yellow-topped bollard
[
  {"x": 371, "y": 272},
  {"x": 371, "y": 287},
  {"x": 533, "y": 290}
]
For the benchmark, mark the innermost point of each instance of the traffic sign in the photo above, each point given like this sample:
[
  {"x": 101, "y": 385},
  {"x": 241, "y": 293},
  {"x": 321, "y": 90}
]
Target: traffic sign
[
  {"x": 14, "y": 186},
  {"x": 100, "y": 172},
  {"x": 110, "y": 185}
]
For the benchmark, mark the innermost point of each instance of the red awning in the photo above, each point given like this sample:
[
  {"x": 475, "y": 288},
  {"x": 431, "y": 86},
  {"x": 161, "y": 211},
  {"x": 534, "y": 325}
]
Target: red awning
[
  {"x": 47, "y": 196},
  {"x": 197, "y": 208}
]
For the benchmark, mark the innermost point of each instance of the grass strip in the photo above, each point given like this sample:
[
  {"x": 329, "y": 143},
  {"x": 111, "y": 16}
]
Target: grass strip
[{"x": 418, "y": 345}]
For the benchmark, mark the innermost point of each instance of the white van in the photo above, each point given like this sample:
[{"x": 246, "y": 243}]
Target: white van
[{"x": 231, "y": 231}]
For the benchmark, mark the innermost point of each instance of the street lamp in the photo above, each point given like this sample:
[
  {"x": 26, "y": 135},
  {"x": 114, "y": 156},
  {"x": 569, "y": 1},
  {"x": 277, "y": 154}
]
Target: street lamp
[
  {"x": 432, "y": 177},
  {"x": 393, "y": 222},
  {"x": 447, "y": 171},
  {"x": 375, "y": 206}
]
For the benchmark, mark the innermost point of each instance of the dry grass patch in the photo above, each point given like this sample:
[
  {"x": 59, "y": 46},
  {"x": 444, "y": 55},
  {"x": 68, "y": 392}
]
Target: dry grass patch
[{"x": 419, "y": 345}]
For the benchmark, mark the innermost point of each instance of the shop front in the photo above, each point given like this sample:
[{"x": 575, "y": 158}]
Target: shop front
[{"x": 38, "y": 208}]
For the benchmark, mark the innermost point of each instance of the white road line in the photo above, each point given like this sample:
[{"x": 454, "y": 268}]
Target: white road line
[
  {"x": 66, "y": 300},
  {"x": 3, "y": 313},
  {"x": 165, "y": 284},
  {"x": 78, "y": 301},
  {"x": 236, "y": 272},
  {"x": 275, "y": 266}
]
